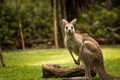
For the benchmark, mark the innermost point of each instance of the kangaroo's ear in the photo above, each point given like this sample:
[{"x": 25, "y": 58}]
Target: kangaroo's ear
[
  {"x": 64, "y": 22},
  {"x": 73, "y": 21}
]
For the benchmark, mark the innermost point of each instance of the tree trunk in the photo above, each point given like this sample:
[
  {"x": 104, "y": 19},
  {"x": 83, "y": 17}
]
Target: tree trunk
[
  {"x": 18, "y": 5},
  {"x": 109, "y": 4},
  {"x": 55, "y": 24},
  {"x": 21, "y": 34},
  {"x": 64, "y": 13},
  {"x": 1, "y": 58},
  {"x": 59, "y": 12},
  {"x": 54, "y": 70}
]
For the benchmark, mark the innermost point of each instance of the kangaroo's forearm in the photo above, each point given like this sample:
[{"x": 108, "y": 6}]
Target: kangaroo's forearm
[
  {"x": 75, "y": 61},
  {"x": 72, "y": 55},
  {"x": 80, "y": 52}
]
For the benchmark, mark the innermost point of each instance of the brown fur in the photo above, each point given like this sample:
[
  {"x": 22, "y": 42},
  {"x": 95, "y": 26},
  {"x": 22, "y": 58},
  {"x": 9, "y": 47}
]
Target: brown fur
[{"x": 87, "y": 50}]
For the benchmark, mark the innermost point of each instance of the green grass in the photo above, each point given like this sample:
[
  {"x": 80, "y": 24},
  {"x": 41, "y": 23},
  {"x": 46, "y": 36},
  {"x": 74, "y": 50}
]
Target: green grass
[{"x": 26, "y": 65}]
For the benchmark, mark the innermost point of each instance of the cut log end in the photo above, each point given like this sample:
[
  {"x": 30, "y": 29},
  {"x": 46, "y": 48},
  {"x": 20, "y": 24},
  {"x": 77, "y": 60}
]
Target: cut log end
[{"x": 54, "y": 70}]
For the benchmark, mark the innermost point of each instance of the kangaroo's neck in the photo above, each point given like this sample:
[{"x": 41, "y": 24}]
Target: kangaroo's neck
[
  {"x": 70, "y": 36},
  {"x": 75, "y": 38}
]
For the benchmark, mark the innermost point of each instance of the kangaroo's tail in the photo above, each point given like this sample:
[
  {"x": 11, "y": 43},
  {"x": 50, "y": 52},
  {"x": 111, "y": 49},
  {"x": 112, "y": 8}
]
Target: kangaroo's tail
[{"x": 102, "y": 72}]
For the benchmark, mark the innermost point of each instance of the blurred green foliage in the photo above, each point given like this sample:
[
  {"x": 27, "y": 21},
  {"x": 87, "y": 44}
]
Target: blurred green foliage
[
  {"x": 37, "y": 21},
  {"x": 100, "y": 22}
]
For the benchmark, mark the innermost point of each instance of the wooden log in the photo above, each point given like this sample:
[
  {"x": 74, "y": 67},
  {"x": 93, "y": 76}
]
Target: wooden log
[{"x": 54, "y": 70}]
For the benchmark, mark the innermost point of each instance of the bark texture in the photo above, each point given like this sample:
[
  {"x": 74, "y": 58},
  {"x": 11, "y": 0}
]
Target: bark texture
[{"x": 54, "y": 70}]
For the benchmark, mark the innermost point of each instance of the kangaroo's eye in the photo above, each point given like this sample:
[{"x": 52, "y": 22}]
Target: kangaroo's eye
[
  {"x": 71, "y": 27},
  {"x": 66, "y": 27}
]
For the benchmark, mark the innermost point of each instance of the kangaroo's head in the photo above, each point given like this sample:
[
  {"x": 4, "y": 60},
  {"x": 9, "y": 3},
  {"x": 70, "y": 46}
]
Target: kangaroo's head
[{"x": 69, "y": 26}]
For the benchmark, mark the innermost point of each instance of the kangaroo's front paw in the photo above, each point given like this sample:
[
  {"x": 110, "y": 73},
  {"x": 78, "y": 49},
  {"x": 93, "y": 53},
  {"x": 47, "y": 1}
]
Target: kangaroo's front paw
[{"x": 77, "y": 62}]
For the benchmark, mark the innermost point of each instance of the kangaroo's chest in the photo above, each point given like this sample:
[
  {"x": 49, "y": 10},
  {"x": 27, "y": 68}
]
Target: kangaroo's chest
[{"x": 74, "y": 46}]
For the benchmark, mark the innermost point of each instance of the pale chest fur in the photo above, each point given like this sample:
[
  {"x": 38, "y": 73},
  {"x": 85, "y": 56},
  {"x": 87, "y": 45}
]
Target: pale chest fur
[{"x": 74, "y": 43}]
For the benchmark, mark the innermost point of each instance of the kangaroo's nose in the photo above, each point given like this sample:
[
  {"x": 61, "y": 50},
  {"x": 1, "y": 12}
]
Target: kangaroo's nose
[{"x": 69, "y": 31}]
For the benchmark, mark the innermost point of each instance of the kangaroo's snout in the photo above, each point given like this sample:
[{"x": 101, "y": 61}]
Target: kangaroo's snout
[{"x": 69, "y": 31}]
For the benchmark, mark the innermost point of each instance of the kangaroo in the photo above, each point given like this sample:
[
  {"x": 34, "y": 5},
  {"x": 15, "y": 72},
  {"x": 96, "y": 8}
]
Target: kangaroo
[
  {"x": 2, "y": 60},
  {"x": 87, "y": 49}
]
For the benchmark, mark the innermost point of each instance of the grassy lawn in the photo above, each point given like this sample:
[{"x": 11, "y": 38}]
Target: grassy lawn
[{"x": 26, "y": 65}]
